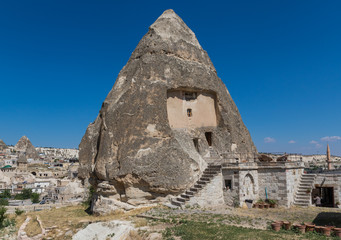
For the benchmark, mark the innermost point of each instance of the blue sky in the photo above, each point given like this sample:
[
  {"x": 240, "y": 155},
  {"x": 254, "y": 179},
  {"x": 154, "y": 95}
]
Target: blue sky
[{"x": 280, "y": 60}]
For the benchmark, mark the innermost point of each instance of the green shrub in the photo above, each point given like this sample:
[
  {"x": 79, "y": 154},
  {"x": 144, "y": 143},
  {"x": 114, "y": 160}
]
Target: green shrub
[
  {"x": 27, "y": 193},
  {"x": 5, "y": 194},
  {"x": 87, "y": 202},
  {"x": 18, "y": 212},
  {"x": 3, "y": 216},
  {"x": 3, "y": 202},
  {"x": 35, "y": 197}
]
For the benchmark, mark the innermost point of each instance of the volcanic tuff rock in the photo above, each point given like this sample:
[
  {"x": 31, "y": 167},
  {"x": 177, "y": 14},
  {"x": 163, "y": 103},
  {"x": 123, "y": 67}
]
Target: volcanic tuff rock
[
  {"x": 2, "y": 145},
  {"x": 131, "y": 148},
  {"x": 24, "y": 145}
]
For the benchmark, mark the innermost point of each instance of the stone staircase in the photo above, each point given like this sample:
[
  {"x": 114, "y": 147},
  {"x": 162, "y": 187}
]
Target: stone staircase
[
  {"x": 303, "y": 198},
  {"x": 213, "y": 153},
  {"x": 210, "y": 172}
]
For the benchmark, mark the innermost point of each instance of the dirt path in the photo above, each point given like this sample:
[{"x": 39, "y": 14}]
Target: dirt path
[{"x": 22, "y": 234}]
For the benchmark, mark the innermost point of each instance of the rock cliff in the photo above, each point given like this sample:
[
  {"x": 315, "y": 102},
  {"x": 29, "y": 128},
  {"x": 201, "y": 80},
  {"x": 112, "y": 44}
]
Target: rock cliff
[
  {"x": 165, "y": 112},
  {"x": 3, "y": 145},
  {"x": 24, "y": 145}
]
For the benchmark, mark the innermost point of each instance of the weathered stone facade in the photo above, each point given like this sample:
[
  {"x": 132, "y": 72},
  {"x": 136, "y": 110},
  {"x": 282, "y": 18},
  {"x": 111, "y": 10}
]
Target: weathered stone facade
[
  {"x": 330, "y": 180},
  {"x": 253, "y": 181},
  {"x": 211, "y": 194}
]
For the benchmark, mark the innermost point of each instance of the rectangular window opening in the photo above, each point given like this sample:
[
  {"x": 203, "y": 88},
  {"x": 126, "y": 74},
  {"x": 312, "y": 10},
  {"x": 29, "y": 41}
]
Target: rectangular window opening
[
  {"x": 228, "y": 184},
  {"x": 208, "y": 136},
  {"x": 190, "y": 96}
]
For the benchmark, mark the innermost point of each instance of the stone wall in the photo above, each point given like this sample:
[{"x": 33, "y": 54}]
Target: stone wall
[
  {"x": 293, "y": 180},
  {"x": 233, "y": 192},
  {"x": 249, "y": 187},
  {"x": 330, "y": 180},
  {"x": 274, "y": 181},
  {"x": 211, "y": 194}
]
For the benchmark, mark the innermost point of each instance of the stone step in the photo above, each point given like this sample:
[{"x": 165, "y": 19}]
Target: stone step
[
  {"x": 180, "y": 199},
  {"x": 301, "y": 204},
  {"x": 303, "y": 193},
  {"x": 303, "y": 197},
  {"x": 209, "y": 176},
  {"x": 307, "y": 180},
  {"x": 190, "y": 193},
  {"x": 201, "y": 182},
  {"x": 176, "y": 203},
  {"x": 204, "y": 179},
  {"x": 198, "y": 186},
  {"x": 307, "y": 177},
  {"x": 302, "y": 200},
  {"x": 214, "y": 167},
  {"x": 305, "y": 186},
  {"x": 210, "y": 172},
  {"x": 186, "y": 196},
  {"x": 193, "y": 189}
]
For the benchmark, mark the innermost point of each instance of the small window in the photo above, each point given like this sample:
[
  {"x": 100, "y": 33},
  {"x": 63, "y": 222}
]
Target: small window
[
  {"x": 190, "y": 96},
  {"x": 228, "y": 184},
  {"x": 189, "y": 112}
]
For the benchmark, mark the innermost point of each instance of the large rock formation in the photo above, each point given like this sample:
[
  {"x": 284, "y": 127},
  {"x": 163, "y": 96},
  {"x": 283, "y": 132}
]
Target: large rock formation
[
  {"x": 3, "y": 145},
  {"x": 25, "y": 146},
  {"x": 166, "y": 111}
]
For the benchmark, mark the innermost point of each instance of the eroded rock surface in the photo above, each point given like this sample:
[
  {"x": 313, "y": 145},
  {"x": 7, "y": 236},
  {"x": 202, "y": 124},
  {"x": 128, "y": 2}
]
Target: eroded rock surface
[
  {"x": 137, "y": 149},
  {"x": 24, "y": 145},
  {"x": 3, "y": 145}
]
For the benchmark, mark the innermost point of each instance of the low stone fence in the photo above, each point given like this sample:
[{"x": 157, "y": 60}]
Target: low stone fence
[{"x": 38, "y": 207}]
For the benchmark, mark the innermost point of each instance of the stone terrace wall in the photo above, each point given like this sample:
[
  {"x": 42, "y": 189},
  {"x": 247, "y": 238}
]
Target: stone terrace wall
[
  {"x": 293, "y": 181},
  {"x": 211, "y": 194},
  {"x": 274, "y": 180}
]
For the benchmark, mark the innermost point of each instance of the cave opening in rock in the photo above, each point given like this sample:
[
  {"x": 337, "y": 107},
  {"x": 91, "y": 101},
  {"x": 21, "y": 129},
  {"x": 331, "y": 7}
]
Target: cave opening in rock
[
  {"x": 208, "y": 136},
  {"x": 196, "y": 144}
]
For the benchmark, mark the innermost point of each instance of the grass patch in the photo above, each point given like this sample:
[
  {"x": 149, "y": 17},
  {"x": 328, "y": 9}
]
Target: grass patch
[
  {"x": 211, "y": 231},
  {"x": 33, "y": 228}
]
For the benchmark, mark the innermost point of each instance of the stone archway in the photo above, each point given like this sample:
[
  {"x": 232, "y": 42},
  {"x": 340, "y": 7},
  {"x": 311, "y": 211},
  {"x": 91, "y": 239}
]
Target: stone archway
[{"x": 249, "y": 185}]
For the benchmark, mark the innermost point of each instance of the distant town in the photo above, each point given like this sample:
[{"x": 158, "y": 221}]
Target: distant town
[{"x": 38, "y": 175}]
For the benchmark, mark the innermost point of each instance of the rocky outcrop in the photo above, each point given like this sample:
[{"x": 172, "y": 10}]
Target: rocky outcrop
[
  {"x": 24, "y": 145},
  {"x": 133, "y": 150},
  {"x": 3, "y": 145}
]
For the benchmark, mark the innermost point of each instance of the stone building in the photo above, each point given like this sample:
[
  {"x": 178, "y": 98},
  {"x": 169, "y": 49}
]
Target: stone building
[{"x": 22, "y": 163}]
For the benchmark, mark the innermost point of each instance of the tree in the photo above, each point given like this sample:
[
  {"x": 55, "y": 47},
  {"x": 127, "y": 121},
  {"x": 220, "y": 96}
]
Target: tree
[
  {"x": 26, "y": 193},
  {"x": 3, "y": 216},
  {"x": 35, "y": 197},
  {"x": 3, "y": 202},
  {"x": 5, "y": 194}
]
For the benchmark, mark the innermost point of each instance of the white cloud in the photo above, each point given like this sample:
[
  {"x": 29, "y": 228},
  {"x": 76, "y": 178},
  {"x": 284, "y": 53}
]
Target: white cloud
[
  {"x": 269, "y": 140},
  {"x": 292, "y": 141},
  {"x": 331, "y": 138},
  {"x": 317, "y": 145}
]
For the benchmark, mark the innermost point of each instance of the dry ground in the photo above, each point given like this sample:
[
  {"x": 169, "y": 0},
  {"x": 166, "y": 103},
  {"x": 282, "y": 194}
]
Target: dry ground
[{"x": 168, "y": 221}]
